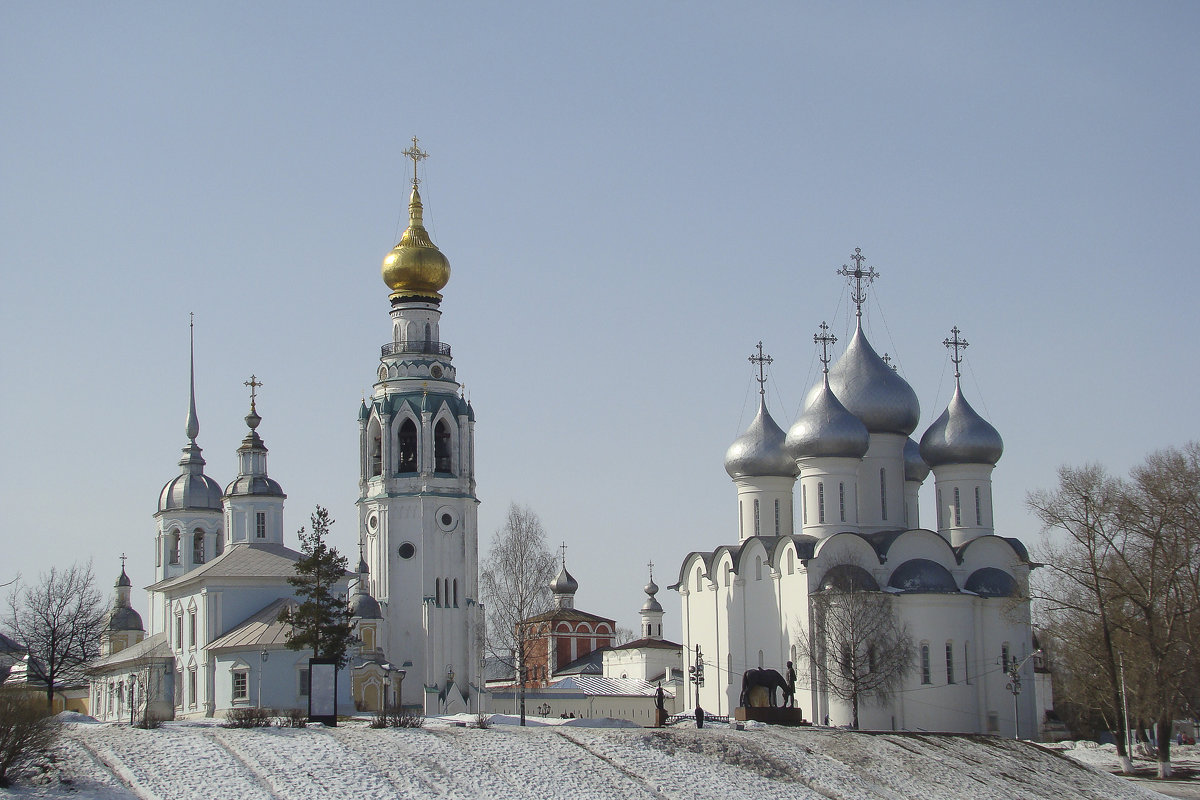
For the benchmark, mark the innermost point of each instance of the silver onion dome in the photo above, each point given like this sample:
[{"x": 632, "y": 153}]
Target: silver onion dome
[
  {"x": 759, "y": 451},
  {"x": 961, "y": 436},
  {"x": 364, "y": 606},
  {"x": 192, "y": 490},
  {"x": 827, "y": 428},
  {"x": 563, "y": 583},
  {"x": 124, "y": 618},
  {"x": 651, "y": 603},
  {"x": 915, "y": 468},
  {"x": 871, "y": 390}
]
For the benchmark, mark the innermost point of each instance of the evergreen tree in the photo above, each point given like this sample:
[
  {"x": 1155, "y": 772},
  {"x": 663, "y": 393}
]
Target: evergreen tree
[{"x": 321, "y": 622}]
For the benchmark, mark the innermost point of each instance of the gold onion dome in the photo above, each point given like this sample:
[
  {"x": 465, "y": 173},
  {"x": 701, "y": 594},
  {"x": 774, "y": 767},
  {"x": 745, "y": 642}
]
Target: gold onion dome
[{"x": 415, "y": 267}]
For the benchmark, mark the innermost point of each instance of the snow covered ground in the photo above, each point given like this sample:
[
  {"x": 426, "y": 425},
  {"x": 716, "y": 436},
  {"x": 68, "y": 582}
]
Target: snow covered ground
[
  {"x": 180, "y": 761},
  {"x": 1185, "y": 762}
]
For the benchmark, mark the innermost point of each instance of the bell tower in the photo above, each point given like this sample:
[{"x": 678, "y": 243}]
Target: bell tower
[{"x": 417, "y": 505}]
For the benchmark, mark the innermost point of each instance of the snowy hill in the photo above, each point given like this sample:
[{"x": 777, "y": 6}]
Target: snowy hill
[{"x": 207, "y": 762}]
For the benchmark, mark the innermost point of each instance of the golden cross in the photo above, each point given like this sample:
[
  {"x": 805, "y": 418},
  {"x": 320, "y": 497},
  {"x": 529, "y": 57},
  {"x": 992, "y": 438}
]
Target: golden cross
[{"x": 416, "y": 154}]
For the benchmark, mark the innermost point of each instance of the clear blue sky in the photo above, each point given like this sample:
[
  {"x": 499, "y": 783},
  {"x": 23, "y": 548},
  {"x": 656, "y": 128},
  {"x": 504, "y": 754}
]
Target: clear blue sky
[{"x": 631, "y": 196}]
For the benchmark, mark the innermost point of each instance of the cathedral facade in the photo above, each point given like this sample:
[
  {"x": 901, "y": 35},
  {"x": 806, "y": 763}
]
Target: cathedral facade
[{"x": 831, "y": 506}]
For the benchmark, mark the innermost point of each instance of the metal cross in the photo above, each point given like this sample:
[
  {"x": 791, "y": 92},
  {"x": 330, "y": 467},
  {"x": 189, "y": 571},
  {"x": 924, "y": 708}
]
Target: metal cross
[
  {"x": 651, "y": 566},
  {"x": 416, "y": 154},
  {"x": 762, "y": 361},
  {"x": 825, "y": 339},
  {"x": 563, "y": 549},
  {"x": 888, "y": 360},
  {"x": 858, "y": 275},
  {"x": 122, "y": 562},
  {"x": 958, "y": 345},
  {"x": 253, "y": 383}
]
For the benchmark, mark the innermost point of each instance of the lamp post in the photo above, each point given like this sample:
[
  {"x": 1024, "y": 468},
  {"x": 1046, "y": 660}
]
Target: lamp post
[
  {"x": 1014, "y": 686},
  {"x": 263, "y": 655}
]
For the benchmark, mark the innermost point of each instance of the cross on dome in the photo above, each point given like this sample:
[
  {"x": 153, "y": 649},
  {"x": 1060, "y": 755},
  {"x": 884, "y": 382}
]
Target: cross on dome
[
  {"x": 253, "y": 383},
  {"x": 651, "y": 566},
  {"x": 562, "y": 549},
  {"x": 417, "y": 155},
  {"x": 122, "y": 562},
  {"x": 761, "y": 360},
  {"x": 957, "y": 344},
  {"x": 888, "y": 360},
  {"x": 826, "y": 340},
  {"x": 859, "y": 276}
]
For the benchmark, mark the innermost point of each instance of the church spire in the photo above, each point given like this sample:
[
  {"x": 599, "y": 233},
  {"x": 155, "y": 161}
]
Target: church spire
[{"x": 193, "y": 422}]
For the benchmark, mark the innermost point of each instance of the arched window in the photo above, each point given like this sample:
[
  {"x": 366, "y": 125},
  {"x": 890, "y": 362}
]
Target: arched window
[
  {"x": 741, "y": 521},
  {"x": 173, "y": 545},
  {"x": 791, "y": 561},
  {"x": 793, "y": 654},
  {"x": 966, "y": 662},
  {"x": 437, "y": 588},
  {"x": 198, "y": 547},
  {"x": 776, "y": 516},
  {"x": 220, "y": 544},
  {"x": 939, "y": 508},
  {"x": 428, "y": 337},
  {"x": 757, "y": 568},
  {"x": 729, "y": 667},
  {"x": 820, "y": 502},
  {"x": 407, "y": 447},
  {"x": 803, "y": 504},
  {"x": 883, "y": 492},
  {"x": 925, "y": 675},
  {"x": 978, "y": 508},
  {"x": 441, "y": 447},
  {"x": 760, "y": 659},
  {"x": 842, "y": 501},
  {"x": 728, "y": 574},
  {"x": 957, "y": 508},
  {"x": 949, "y": 662},
  {"x": 699, "y": 580},
  {"x": 456, "y": 592},
  {"x": 757, "y": 530},
  {"x": 375, "y": 454}
]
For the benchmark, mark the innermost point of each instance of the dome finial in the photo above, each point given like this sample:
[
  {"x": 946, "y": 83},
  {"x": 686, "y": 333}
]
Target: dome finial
[
  {"x": 826, "y": 340},
  {"x": 417, "y": 155},
  {"x": 958, "y": 344},
  {"x": 192, "y": 428},
  {"x": 761, "y": 360},
  {"x": 859, "y": 277},
  {"x": 253, "y": 419}
]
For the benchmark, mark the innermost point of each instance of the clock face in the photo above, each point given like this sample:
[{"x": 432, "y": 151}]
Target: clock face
[{"x": 436, "y": 370}]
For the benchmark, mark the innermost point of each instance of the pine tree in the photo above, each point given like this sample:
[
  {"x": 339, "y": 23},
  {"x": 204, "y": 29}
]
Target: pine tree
[{"x": 321, "y": 622}]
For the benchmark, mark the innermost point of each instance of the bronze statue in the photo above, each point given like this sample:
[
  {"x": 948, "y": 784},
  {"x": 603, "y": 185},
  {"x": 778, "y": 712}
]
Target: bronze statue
[{"x": 768, "y": 679}]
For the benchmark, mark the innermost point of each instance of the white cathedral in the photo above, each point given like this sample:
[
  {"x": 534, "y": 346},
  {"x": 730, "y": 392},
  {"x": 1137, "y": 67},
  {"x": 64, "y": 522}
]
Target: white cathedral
[
  {"x": 961, "y": 590},
  {"x": 213, "y": 640}
]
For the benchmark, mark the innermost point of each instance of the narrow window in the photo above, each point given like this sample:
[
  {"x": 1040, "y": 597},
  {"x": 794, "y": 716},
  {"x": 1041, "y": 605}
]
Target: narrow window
[
  {"x": 777, "y": 516},
  {"x": 728, "y": 574},
  {"x": 179, "y": 631},
  {"x": 870, "y": 658},
  {"x": 456, "y": 592},
  {"x": 191, "y": 629},
  {"x": 757, "y": 529},
  {"x": 241, "y": 685},
  {"x": 793, "y": 654},
  {"x": 699, "y": 580},
  {"x": 791, "y": 565},
  {"x": 978, "y": 508},
  {"x": 191, "y": 687},
  {"x": 376, "y": 455},
  {"x": 260, "y": 524},
  {"x": 198, "y": 547},
  {"x": 729, "y": 667},
  {"x": 957, "y": 508},
  {"x": 741, "y": 520},
  {"x": 925, "y": 677},
  {"x": 760, "y": 659},
  {"x": 407, "y": 447},
  {"x": 220, "y": 544},
  {"x": 441, "y": 447},
  {"x": 757, "y": 568},
  {"x": 437, "y": 584},
  {"x": 174, "y": 544},
  {"x": 820, "y": 502},
  {"x": 305, "y": 682},
  {"x": 939, "y": 508},
  {"x": 949, "y": 662},
  {"x": 842, "y": 500},
  {"x": 966, "y": 662},
  {"x": 158, "y": 555},
  {"x": 883, "y": 492},
  {"x": 804, "y": 504},
  {"x": 428, "y": 338},
  {"x": 1004, "y": 656}
]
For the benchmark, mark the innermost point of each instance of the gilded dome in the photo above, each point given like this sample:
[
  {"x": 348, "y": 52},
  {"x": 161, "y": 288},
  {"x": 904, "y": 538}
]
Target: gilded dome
[
  {"x": 415, "y": 267},
  {"x": 961, "y": 436},
  {"x": 871, "y": 390},
  {"x": 826, "y": 428},
  {"x": 759, "y": 451}
]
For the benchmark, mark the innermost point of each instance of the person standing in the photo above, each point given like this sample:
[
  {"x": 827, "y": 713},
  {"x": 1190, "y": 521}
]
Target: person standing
[{"x": 789, "y": 699}]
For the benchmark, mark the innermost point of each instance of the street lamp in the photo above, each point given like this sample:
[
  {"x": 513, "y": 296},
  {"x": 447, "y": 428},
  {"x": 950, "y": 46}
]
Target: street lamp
[
  {"x": 263, "y": 655},
  {"x": 1014, "y": 686}
]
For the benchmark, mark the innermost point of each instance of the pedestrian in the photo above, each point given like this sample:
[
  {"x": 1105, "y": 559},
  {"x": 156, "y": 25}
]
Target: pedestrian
[
  {"x": 789, "y": 697},
  {"x": 699, "y": 716}
]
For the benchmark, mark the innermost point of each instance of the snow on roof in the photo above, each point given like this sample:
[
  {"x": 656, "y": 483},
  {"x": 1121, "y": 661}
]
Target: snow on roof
[
  {"x": 597, "y": 685},
  {"x": 266, "y": 560},
  {"x": 155, "y": 646}
]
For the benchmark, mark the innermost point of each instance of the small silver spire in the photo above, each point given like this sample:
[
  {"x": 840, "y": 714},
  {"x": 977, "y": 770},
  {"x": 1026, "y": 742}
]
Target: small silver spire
[{"x": 193, "y": 422}]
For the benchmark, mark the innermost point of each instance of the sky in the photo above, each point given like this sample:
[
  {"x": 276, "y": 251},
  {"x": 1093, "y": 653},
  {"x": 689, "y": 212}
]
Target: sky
[{"x": 631, "y": 196}]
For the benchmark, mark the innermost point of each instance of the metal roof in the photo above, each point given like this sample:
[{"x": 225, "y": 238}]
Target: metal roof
[
  {"x": 242, "y": 560},
  {"x": 262, "y": 629}
]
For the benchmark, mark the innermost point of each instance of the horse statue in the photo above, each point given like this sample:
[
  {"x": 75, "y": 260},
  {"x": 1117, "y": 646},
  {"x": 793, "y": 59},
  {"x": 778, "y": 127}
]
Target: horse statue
[{"x": 768, "y": 679}]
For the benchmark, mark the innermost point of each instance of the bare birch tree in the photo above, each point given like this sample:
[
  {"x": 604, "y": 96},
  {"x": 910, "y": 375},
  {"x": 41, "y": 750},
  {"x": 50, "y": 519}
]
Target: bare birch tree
[
  {"x": 58, "y": 620},
  {"x": 861, "y": 649},
  {"x": 515, "y": 584}
]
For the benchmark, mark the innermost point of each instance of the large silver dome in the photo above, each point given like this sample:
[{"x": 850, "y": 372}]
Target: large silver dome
[
  {"x": 759, "y": 451},
  {"x": 363, "y": 606},
  {"x": 915, "y": 468},
  {"x": 259, "y": 485},
  {"x": 961, "y": 436},
  {"x": 827, "y": 428},
  {"x": 871, "y": 390},
  {"x": 124, "y": 618}
]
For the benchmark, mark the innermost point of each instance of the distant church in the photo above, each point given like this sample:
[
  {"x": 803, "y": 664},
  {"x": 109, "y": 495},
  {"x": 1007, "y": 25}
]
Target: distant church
[
  {"x": 213, "y": 640},
  {"x": 961, "y": 589}
]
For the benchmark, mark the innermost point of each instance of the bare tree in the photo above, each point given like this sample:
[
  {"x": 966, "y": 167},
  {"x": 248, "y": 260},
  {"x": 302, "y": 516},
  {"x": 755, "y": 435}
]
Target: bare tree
[
  {"x": 26, "y": 731},
  {"x": 515, "y": 584},
  {"x": 58, "y": 620},
  {"x": 861, "y": 649},
  {"x": 622, "y": 636}
]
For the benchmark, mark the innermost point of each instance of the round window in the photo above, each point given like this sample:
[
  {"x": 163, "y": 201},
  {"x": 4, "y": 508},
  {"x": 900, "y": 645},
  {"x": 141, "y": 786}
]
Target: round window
[
  {"x": 373, "y": 521},
  {"x": 447, "y": 518},
  {"x": 436, "y": 370},
  {"x": 407, "y": 550}
]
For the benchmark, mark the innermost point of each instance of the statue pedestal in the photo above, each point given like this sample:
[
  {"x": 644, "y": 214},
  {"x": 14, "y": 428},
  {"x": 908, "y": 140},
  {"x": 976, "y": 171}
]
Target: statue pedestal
[
  {"x": 772, "y": 716},
  {"x": 660, "y": 717}
]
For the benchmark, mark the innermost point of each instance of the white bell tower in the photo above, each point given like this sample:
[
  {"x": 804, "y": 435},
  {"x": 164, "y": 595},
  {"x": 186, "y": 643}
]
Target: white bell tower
[{"x": 417, "y": 506}]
